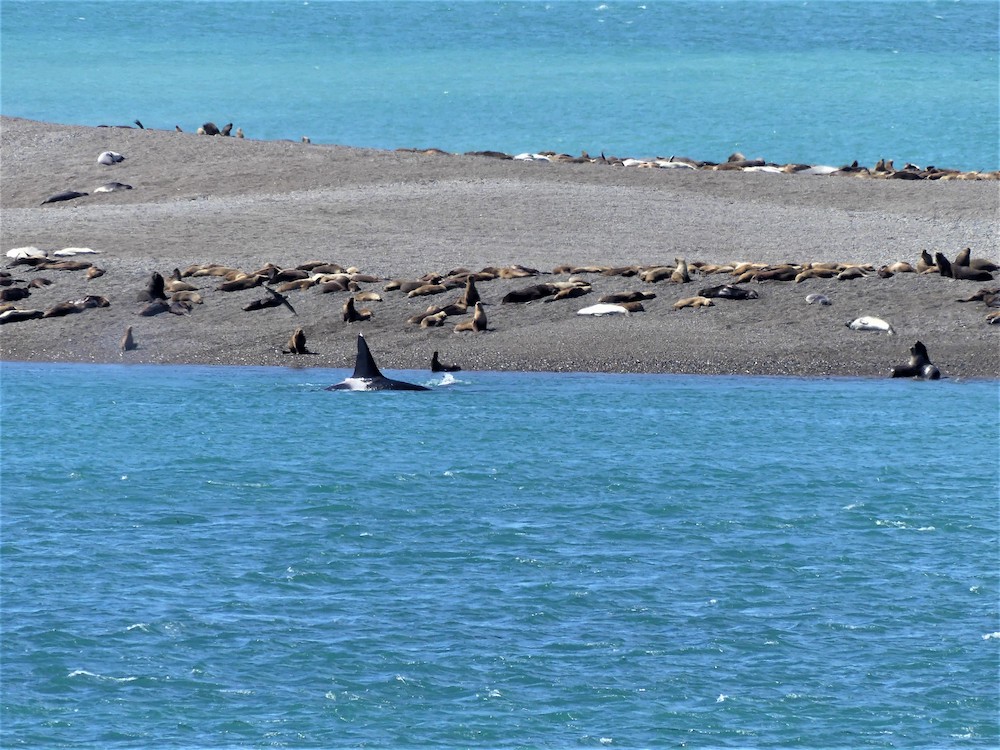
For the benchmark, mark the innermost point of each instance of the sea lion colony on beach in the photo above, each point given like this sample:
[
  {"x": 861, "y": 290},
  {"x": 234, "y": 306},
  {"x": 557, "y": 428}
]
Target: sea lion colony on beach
[{"x": 180, "y": 291}]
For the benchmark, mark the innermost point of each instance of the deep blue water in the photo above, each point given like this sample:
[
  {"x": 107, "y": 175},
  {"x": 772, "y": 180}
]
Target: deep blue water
[
  {"x": 224, "y": 557},
  {"x": 817, "y": 81}
]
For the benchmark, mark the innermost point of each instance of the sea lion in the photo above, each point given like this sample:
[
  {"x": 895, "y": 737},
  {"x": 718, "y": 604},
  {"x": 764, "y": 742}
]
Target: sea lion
[
  {"x": 29, "y": 251},
  {"x": 656, "y": 274},
  {"x": 297, "y": 343},
  {"x": 111, "y": 187},
  {"x": 433, "y": 320},
  {"x": 108, "y": 158},
  {"x": 817, "y": 299},
  {"x": 478, "y": 323},
  {"x": 728, "y": 291},
  {"x": 529, "y": 294},
  {"x": 919, "y": 366},
  {"x": 155, "y": 289},
  {"x": 94, "y": 272},
  {"x": 127, "y": 343},
  {"x": 193, "y": 298},
  {"x": 694, "y": 302},
  {"x": 870, "y": 323},
  {"x": 967, "y": 273},
  {"x": 471, "y": 295},
  {"x": 569, "y": 292},
  {"x": 438, "y": 366},
  {"x": 617, "y": 298},
  {"x": 209, "y": 128},
  {"x": 852, "y": 272},
  {"x": 14, "y": 293},
  {"x": 604, "y": 308},
  {"x": 65, "y": 195},
  {"x": 155, "y": 308},
  {"x": 275, "y": 300},
  {"x": 680, "y": 274},
  {"x": 276, "y": 275},
  {"x": 425, "y": 290},
  {"x": 352, "y": 315},
  {"x": 242, "y": 283},
  {"x": 15, "y": 315}
]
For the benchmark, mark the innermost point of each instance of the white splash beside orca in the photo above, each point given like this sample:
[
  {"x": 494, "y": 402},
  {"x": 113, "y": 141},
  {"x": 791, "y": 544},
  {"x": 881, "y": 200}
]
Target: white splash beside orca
[{"x": 367, "y": 376}]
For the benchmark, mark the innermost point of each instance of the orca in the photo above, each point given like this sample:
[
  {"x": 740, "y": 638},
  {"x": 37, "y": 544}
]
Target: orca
[{"x": 367, "y": 376}]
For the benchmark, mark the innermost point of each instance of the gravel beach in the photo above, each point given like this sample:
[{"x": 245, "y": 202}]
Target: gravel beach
[{"x": 404, "y": 215}]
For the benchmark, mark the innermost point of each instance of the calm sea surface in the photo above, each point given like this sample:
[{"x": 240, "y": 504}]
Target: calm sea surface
[
  {"x": 817, "y": 81},
  {"x": 222, "y": 557},
  {"x": 226, "y": 557}
]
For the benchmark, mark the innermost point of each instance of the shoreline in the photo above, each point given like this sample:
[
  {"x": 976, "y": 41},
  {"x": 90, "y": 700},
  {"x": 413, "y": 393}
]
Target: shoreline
[{"x": 403, "y": 214}]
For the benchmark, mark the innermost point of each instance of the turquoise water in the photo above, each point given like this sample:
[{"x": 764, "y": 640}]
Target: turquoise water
[
  {"x": 224, "y": 557},
  {"x": 820, "y": 82}
]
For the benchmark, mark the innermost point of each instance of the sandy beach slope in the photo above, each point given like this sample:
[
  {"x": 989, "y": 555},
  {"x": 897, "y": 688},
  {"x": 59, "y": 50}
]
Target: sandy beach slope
[{"x": 401, "y": 215}]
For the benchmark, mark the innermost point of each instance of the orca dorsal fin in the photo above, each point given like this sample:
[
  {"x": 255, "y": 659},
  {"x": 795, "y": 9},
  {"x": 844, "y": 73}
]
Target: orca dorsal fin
[{"x": 364, "y": 366}]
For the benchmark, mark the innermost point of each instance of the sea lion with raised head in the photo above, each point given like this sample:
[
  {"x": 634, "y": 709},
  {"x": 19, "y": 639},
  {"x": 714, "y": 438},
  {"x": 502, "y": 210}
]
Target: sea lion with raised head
[
  {"x": 471, "y": 294},
  {"x": 919, "y": 366},
  {"x": 438, "y": 366},
  {"x": 127, "y": 342},
  {"x": 352, "y": 315},
  {"x": 297, "y": 343},
  {"x": 478, "y": 324}
]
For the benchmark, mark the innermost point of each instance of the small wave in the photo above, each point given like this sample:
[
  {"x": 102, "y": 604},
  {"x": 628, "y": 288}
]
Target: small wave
[
  {"x": 991, "y": 636},
  {"x": 143, "y": 626},
  {"x": 106, "y": 678}
]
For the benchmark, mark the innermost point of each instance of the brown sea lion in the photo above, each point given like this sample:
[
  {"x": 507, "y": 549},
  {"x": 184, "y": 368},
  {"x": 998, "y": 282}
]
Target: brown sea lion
[
  {"x": 681, "y": 274},
  {"x": 471, "y": 295},
  {"x": 478, "y": 323},
  {"x": 695, "y": 302},
  {"x": 297, "y": 343},
  {"x": 529, "y": 294}
]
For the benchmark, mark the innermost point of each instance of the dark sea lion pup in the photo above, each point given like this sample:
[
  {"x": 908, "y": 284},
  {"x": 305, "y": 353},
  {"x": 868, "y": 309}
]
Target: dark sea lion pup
[
  {"x": 438, "y": 366},
  {"x": 920, "y": 365},
  {"x": 367, "y": 376}
]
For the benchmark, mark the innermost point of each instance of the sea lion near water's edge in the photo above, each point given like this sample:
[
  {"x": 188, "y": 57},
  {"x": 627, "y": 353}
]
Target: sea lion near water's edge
[
  {"x": 919, "y": 366},
  {"x": 438, "y": 366}
]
